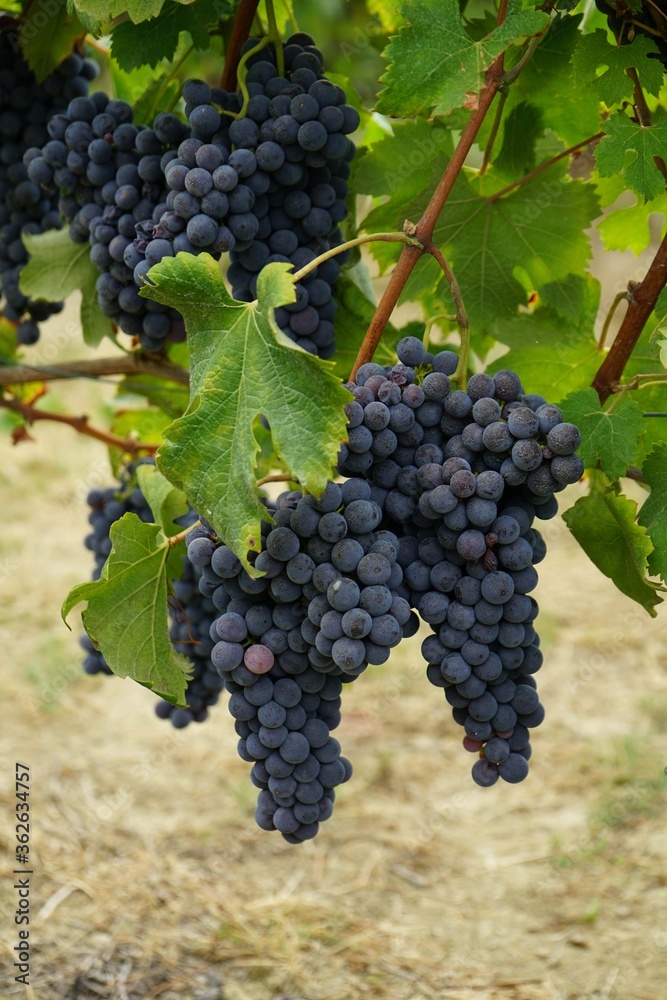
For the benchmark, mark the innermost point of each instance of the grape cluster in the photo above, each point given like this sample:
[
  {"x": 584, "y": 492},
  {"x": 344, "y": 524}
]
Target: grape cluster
[
  {"x": 268, "y": 186},
  {"x": 25, "y": 108},
  {"x": 462, "y": 476},
  {"x": 109, "y": 173},
  {"x": 191, "y": 613},
  {"x": 287, "y": 641}
]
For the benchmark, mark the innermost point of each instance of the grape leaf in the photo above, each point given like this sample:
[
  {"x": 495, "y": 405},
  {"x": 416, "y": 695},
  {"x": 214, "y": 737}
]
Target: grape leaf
[
  {"x": 653, "y": 515},
  {"x": 522, "y": 127},
  {"x": 614, "y": 84},
  {"x": 422, "y": 147},
  {"x": 170, "y": 397},
  {"x": 127, "y": 614},
  {"x": 538, "y": 227},
  {"x": 605, "y": 527},
  {"x": 608, "y": 438},
  {"x": 645, "y": 360},
  {"x": 105, "y": 10},
  {"x": 546, "y": 83},
  {"x": 47, "y": 36},
  {"x": 243, "y": 365},
  {"x": 165, "y": 501},
  {"x": 629, "y": 227},
  {"x": 434, "y": 63},
  {"x": 662, "y": 344},
  {"x": 146, "y": 44},
  {"x": 640, "y": 172},
  {"x": 56, "y": 268}
]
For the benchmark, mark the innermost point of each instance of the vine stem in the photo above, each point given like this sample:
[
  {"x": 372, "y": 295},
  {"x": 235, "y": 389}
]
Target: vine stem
[
  {"x": 274, "y": 35},
  {"x": 620, "y": 297},
  {"x": 642, "y": 300},
  {"x": 31, "y": 414},
  {"x": 242, "y": 25},
  {"x": 358, "y": 241},
  {"x": 279, "y": 477},
  {"x": 425, "y": 227},
  {"x": 175, "y": 539},
  {"x": 461, "y": 314},
  {"x": 262, "y": 44},
  {"x": 493, "y": 134},
  {"x": 128, "y": 364},
  {"x": 163, "y": 89},
  {"x": 545, "y": 166}
]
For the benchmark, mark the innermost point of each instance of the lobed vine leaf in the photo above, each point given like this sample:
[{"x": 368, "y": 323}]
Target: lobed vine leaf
[
  {"x": 102, "y": 11},
  {"x": 522, "y": 128},
  {"x": 242, "y": 365},
  {"x": 127, "y": 612},
  {"x": 48, "y": 36},
  {"x": 151, "y": 41},
  {"x": 653, "y": 515},
  {"x": 56, "y": 268},
  {"x": 614, "y": 84},
  {"x": 436, "y": 66},
  {"x": 624, "y": 137},
  {"x": 546, "y": 83},
  {"x": 537, "y": 227},
  {"x": 605, "y": 526},
  {"x": 608, "y": 437}
]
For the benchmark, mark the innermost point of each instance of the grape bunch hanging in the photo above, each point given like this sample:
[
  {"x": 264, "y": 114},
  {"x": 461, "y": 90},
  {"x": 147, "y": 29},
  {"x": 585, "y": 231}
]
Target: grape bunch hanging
[
  {"x": 261, "y": 179},
  {"x": 435, "y": 521}
]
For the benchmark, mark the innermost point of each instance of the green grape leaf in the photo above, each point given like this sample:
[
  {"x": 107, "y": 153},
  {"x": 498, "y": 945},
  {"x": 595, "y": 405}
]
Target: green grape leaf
[
  {"x": 127, "y": 612},
  {"x": 531, "y": 338},
  {"x": 550, "y": 373},
  {"x": 91, "y": 22},
  {"x": 165, "y": 501},
  {"x": 640, "y": 172},
  {"x": 171, "y": 397},
  {"x": 522, "y": 128},
  {"x": 434, "y": 64},
  {"x": 645, "y": 360},
  {"x": 546, "y": 83},
  {"x": 605, "y": 526},
  {"x": 47, "y": 36},
  {"x": 422, "y": 148},
  {"x": 653, "y": 515},
  {"x": 629, "y": 227},
  {"x": 56, "y": 268},
  {"x": 242, "y": 365},
  {"x": 614, "y": 84},
  {"x": 608, "y": 438},
  {"x": 538, "y": 228},
  {"x": 146, "y": 44},
  {"x": 106, "y": 10}
]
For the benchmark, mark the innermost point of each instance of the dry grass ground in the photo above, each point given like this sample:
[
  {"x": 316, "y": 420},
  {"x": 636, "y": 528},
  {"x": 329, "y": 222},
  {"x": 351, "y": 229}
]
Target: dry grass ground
[{"x": 151, "y": 879}]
